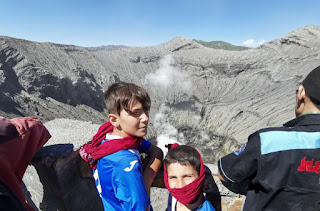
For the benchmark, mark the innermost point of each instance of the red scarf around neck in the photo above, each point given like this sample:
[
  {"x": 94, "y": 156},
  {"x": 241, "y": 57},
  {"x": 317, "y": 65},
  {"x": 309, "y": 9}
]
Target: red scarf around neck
[
  {"x": 190, "y": 193},
  {"x": 94, "y": 151}
]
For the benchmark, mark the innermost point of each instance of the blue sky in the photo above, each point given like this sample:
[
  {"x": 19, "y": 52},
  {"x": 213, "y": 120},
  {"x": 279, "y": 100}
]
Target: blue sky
[{"x": 151, "y": 22}]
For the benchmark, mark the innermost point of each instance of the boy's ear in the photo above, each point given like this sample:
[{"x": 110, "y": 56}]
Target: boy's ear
[
  {"x": 300, "y": 100},
  {"x": 113, "y": 120},
  {"x": 301, "y": 92}
]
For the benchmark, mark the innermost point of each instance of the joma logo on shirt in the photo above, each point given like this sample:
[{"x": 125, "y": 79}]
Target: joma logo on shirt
[
  {"x": 308, "y": 166},
  {"x": 132, "y": 163}
]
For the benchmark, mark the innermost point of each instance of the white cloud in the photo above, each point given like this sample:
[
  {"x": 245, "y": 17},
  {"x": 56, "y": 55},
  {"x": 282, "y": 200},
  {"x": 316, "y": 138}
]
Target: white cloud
[
  {"x": 249, "y": 42},
  {"x": 167, "y": 75},
  {"x": 252, "y": 43}
]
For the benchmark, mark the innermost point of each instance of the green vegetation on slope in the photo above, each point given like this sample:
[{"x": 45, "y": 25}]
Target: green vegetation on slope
[{"x": 221, "y": 45}]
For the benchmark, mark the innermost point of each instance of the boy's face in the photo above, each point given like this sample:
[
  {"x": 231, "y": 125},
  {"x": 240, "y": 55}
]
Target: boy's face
[
  {"x": 134, "y": 123},
  {"x": 181, "y": 175}
]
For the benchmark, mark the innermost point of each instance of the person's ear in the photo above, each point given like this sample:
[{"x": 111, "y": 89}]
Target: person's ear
[
  {"x": 301, "y": 93},
  {"x": 113, "y": 120},
  {"x": 300, "y": 100}
]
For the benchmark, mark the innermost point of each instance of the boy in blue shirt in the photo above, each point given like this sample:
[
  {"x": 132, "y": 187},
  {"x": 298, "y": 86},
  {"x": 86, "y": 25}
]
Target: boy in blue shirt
[{"x": 114, "y": 153}]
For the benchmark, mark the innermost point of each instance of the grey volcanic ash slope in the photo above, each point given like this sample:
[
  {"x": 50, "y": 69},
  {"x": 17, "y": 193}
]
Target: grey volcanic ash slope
[
  {"x": 43, "y": 79},
  {"x": 207, "y": 97}
]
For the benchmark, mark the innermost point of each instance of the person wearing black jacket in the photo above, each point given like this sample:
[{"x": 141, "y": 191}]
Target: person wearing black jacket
[{"x": 279, "y": 168}]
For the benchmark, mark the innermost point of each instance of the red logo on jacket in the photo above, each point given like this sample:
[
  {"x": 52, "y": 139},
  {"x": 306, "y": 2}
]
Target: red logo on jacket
[{"x": 308, "y": 166}]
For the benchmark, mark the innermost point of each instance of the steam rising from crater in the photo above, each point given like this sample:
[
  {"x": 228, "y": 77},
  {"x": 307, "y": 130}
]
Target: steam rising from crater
[
  {"x": 169, "y": 76},
  {"x": 166, "y": 133}
]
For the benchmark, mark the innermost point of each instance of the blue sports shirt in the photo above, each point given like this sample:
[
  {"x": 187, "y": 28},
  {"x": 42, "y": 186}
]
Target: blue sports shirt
[{"x": 119, "y": 180}]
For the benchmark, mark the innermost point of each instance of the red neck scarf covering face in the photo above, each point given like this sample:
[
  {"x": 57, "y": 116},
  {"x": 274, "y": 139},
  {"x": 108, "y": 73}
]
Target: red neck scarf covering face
[
  {"x": 94, "y": 151},
  {"x": 190, "y": 193}
]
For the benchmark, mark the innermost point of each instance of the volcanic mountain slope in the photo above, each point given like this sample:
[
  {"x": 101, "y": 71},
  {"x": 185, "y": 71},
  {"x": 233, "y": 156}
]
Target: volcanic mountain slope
[{"x": 206, "y": 97}]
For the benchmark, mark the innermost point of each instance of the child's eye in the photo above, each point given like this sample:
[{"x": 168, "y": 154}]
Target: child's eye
[
  {"x": 137, "y": 113},
  {"x": 188, "y": 176}
]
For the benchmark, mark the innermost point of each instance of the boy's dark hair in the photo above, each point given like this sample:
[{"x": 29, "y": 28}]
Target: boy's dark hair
[
  {"x": 183, "y": 155},
  {"x": 122, "y": 95}
]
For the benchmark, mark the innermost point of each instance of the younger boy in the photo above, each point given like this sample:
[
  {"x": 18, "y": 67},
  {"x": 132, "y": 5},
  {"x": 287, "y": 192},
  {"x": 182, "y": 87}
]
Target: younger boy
[
  {"x": 184, "y": 175},
  {"x": 114, "y": 151}
]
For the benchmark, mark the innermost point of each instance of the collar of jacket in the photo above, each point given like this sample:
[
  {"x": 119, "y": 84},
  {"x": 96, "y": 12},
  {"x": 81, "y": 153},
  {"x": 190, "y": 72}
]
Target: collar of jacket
[{"x": 307, "y": 119}]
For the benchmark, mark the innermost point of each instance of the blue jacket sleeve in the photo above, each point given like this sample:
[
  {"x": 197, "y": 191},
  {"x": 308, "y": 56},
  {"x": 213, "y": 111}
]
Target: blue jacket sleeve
[
  {"x": 145, "y": 146},
  {"x": 129, "y": 185}
]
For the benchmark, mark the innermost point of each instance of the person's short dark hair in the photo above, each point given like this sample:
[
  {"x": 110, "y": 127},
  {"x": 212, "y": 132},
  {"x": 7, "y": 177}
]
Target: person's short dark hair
[
  {"x": 121, "y": 96},
  {"x": 312, "y": 86},
  {"x": 184, "y": 155}
]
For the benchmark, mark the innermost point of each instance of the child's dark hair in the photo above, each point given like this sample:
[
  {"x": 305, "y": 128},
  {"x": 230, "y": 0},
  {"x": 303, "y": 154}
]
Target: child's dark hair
[
  {"x": 122, "y": 95},
  {"x": 184, "y": 155}
]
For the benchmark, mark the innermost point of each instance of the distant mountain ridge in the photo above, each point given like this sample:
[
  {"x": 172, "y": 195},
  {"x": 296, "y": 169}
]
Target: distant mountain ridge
[
  {"x": 213, "y": 44},
  {"x": 221, "y": 45}
]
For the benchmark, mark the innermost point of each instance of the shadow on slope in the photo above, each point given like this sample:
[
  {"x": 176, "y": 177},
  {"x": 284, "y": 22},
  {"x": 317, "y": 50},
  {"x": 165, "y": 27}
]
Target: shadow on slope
[
  {"x": 66, "y": 91},
  {"x": 9, "y": 85},
  {"x": 8, "y": 106}
]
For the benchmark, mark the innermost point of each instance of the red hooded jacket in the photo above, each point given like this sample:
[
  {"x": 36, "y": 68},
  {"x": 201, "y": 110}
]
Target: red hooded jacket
[{"x": 20, "y": 139}]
